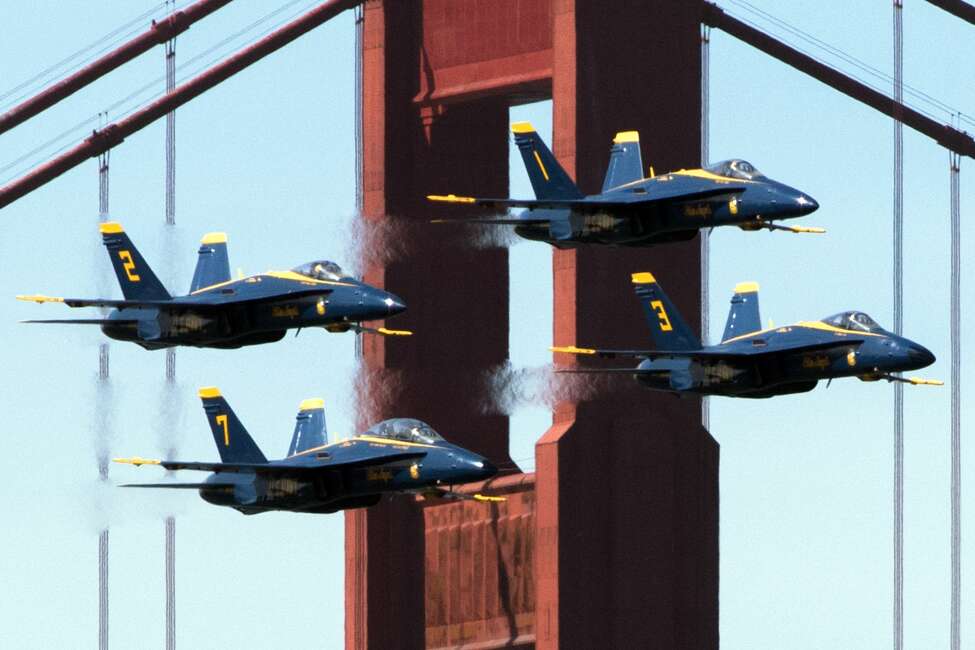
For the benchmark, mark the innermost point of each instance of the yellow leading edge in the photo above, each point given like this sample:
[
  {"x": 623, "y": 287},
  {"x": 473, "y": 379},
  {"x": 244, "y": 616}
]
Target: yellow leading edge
[
  {"x": 571, "y": 349},
  {"x": 450, "y": 198},
  {"x": 136, "y": 460},
  {"x": 38, "y": 298},
  {"x": 746, "y": 287},
  {"x": 627, "y": 136}
]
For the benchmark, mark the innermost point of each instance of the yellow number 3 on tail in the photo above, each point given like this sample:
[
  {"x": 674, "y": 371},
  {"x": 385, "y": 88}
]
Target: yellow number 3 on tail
[
  {"x": 658, "y": 307},
  {"x": 128, "y": 265}
]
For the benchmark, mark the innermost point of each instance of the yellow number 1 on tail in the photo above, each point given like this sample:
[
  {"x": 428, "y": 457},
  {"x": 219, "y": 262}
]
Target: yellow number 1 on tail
[
  {"x": 222, "y": 420},
  {"x": 658, "y": 307}
]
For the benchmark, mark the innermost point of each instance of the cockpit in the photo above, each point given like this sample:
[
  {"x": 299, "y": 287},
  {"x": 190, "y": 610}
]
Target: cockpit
[
  {"x": 321, "y": 270},
  {"x": 405, "y": 429},
  {"x": 853, "y": 320},
  {"x": 736, "y": 168}
]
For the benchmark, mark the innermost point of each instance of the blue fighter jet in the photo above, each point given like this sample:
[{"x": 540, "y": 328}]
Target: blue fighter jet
[
  {"x": 755, "y": 362},
  {"x": 220, "y": 312},
  {"x": 399, "y": 456},
  {"x": 635, "y": 211}
]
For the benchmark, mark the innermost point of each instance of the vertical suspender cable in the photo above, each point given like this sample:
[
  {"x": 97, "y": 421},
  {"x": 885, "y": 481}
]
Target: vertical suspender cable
[
  {"x": 102, "y": 405},
  {"x": 705, "y": 234},
  {"x": 359, "y": 21},
  {"x": 955, "y": 171},
  {"x": 898, "y": 272},
  {"x": 171, "y": 352}
]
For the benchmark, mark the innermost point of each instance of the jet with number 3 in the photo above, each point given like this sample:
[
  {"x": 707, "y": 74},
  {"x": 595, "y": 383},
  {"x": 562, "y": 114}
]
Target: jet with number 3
[
  {"x": 220, "y": 312},
  {"x": 754, "y": 362},
  {"x": 399, "y": 456},
  {"x": 635, "y": 211}
]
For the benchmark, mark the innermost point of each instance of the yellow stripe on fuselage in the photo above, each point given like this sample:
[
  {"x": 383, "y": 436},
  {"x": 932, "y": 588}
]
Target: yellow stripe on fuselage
[
  {"x": 711, "y": 176},
  {"x": 281, "y": 275},
  {"x": 372, "y": 439},
  {"x": 813, "y": 325}
]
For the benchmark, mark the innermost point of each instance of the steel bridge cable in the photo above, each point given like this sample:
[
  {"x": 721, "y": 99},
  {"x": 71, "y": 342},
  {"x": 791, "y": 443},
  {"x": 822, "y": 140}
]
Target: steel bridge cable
[
  {"x": 112, "y": 38},
  {"x": 955, "y": 182},
  {"x": 865, "y": 67},
  {"x": 154, "y": 84}
]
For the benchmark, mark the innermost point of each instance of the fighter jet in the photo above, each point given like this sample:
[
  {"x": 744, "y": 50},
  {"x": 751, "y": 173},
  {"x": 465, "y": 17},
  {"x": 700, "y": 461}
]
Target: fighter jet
[
  {"x": 755, "y": 362},
  {"x": 635, "y": 211},
  {"x": 399, "y": 456},
  {"x": 220, "y": 312}
]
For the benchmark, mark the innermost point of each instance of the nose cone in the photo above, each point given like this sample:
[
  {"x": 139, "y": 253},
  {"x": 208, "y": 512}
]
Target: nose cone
[
  {"x": 394, "y": 304},
  {"x": 806, "y": 204},
  {"x": 919, "y": 356},
  {"x": 482, "y": 468}
]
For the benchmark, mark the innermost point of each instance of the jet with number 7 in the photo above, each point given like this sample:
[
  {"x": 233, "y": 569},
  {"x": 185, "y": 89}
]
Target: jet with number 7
[
  {"x": 220, "y": 312},
  {"x": 631, "y": 210},
  {"x": 755, "y": 362},
  {"x": 401, "y": 455}
]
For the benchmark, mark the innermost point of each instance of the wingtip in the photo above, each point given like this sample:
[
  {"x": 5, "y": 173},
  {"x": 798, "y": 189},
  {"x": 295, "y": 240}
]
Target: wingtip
[
  {"x": 450, "y": 198},
  {"x": 39, "y": 298}
]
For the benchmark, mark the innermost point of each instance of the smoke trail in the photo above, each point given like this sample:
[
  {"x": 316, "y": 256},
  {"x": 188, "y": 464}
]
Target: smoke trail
[
  {"x": 378, "y": 391},
  {"x": 378, "y": 242},
  {"x": 510, "y": 387}
]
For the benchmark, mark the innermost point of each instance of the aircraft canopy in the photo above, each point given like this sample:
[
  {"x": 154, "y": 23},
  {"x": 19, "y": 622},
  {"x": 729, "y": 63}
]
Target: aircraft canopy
[
  {"x": 853, "y": 320},
  {"x": 735, "y": 168},
  {"x": 405, "y": 429},
  {"x": 321, "y": 270}
]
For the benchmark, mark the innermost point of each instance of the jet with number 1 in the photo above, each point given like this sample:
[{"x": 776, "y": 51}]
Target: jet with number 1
[
  {"x": 398, "y": 456},
  {"x": 755, "y": 362},
  {"x": 220, "y": 312},
  {"x": 635, "y": 211}
]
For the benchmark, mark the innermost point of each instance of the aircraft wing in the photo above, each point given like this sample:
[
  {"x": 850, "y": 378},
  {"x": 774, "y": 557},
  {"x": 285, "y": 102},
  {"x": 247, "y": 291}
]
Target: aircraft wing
[
  {"x": 201, "y": 302},
  {"x": 375, "y": 457},
  {"x": 712, "y": 353},
  {"x": 617, "y": 200}
]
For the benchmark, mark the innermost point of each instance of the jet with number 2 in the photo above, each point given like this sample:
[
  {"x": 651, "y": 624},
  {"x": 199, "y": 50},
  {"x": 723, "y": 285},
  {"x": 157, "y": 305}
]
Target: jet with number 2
[
  {"x": 220, "y": 312},
  {"x": 402, "y": 456},
  {"x": 755, "y": 362},
  {"x": 635, "y": 211}
]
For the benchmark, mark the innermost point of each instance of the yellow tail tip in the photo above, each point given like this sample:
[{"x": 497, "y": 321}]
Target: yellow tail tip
[
  {"x": 311, "y": 404},
  {"x": 214, "y": 238},
  {"x": 643, "y": 278},
  {"x": 746, "y": 287},
  {"x": 110, "y": 228},
  {"x": 626, "y": 136},
  {"x": 39, "y": 299},
  {"x": 451, "y": 198},
  {"x": 522, "y": 127},
  {"x": 209, "y": 391}
]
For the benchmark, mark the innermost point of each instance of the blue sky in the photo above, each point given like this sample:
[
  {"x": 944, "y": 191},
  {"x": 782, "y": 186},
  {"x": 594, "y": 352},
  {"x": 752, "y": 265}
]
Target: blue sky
[{"x": 805, "y": 480}]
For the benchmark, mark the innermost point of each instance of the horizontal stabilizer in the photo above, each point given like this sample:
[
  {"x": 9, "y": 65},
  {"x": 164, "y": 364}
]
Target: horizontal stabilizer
[
  {"x": 81, "y": 321},
  {"x": 175, "y": 486}
]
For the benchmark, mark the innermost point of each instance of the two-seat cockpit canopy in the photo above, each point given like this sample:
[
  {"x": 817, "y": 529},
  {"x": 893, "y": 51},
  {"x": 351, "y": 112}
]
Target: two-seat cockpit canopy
[
  {"x": 322, "y": 270},
  {"x": 735, "y": 168},
  {"x": 853, "y": 320},
  {"x": 405, "y": 429}
]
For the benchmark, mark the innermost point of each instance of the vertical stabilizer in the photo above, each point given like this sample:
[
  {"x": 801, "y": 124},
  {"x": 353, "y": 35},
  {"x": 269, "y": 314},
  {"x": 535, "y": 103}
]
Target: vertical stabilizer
[
  {"x": 137, "y": 280},
  {"x": 233, "y": 442},
  {"x": 310, "y": 429},
  {"x": 743, "y": 317},
  {"x": 625, "y": 161},
  {"x": 668, "y": 329},
  {"x": 547, "y": 177},
  {"x": 212, "y": 262}
]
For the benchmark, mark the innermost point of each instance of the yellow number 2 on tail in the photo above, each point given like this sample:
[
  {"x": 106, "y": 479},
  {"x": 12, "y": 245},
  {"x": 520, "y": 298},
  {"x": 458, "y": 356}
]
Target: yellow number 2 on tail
[
  {"x": 658, "y": 307},
  {"x": 222, "y": 420},
  {"x": 128, "y": 265}
]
